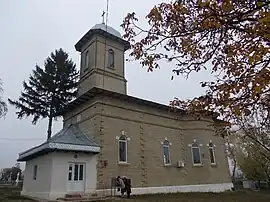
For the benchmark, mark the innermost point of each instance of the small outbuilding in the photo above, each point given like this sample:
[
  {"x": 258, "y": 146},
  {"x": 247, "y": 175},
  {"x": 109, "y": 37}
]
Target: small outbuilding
[{"x": 66, "y": 163}]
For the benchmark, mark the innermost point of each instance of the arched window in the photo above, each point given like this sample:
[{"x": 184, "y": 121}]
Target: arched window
[
  {"x": 212, "y": 153},
  {"x": 122, "y": 146},
  {"x": 166, "y": 152},
  {"x": 110, "y": 58},
  {"x": 196, "y": 154},
  {"x": 87, "y": 59}
]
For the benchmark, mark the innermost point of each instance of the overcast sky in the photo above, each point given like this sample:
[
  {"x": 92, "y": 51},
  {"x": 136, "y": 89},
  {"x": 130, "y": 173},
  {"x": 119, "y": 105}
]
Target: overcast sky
[{"x": 31, "y": 29}]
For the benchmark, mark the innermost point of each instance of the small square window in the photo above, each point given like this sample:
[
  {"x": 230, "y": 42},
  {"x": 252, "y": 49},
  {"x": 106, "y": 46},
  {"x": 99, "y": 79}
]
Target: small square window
[{"x": 35, "y": 172}]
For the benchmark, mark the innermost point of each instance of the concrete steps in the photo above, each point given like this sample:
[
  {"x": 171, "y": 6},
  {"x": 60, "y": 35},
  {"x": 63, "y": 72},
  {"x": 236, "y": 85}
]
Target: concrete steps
[{"x": 82, "y": 198}]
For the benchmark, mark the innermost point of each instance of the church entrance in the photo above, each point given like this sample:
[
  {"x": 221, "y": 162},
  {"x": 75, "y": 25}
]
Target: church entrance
[{"x": 76, "y": 177}]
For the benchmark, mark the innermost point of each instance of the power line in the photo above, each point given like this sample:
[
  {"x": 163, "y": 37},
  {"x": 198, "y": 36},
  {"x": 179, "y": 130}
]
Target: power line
[
  {"x": 88, "y": 132},
  {"x": 19, "y": 139}
]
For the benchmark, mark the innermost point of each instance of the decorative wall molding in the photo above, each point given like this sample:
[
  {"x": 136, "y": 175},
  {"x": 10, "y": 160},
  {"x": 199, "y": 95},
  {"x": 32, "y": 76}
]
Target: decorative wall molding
[
  {"x": 74, "y": 147},
  {"x": 165, "y": 139},
  {"x": 144, "y": 122},
  {"x": 195, "y": 141},
  {"x": 124, "y": 133},
  {"x": 162, "y": 142},
  {"x": 140, "y": 121}
]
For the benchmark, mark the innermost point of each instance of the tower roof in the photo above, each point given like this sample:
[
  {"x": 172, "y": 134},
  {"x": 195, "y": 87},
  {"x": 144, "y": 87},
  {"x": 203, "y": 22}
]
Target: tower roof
[
  {"x": 110, "y": 30},
  {"x": 104, "y": 31}
]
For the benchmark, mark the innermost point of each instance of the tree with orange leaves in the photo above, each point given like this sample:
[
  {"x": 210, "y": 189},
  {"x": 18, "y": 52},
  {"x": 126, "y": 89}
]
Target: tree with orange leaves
[{"x": 230, "y": 38}]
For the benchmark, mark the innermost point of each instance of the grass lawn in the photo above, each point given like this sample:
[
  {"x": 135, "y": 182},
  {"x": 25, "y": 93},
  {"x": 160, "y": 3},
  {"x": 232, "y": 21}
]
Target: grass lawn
[
  {"x": 13, "y": 195},
  {"x": 241, "y": 196}
]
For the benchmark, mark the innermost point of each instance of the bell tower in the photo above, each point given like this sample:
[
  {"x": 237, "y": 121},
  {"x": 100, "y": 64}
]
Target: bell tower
[{"x": 102, "y": 60}]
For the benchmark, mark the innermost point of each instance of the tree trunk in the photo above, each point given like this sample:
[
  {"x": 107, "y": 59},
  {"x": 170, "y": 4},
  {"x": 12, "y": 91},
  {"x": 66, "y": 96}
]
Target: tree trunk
[
  {"x": 234, "y": 169},
  {"x": 49, "y": 132}
]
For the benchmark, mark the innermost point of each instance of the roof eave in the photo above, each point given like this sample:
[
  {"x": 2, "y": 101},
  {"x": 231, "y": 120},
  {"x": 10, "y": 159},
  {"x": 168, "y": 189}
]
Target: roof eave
[
  {"x": 37, "y": 151},
  {"x": 26, "y": 157},
  {"x": 98, "y": 91},
  {"x": 90, "y": 33}
]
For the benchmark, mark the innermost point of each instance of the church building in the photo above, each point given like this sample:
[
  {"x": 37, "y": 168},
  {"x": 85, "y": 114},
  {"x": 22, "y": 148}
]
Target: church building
[{"x": 107, "y": 133}]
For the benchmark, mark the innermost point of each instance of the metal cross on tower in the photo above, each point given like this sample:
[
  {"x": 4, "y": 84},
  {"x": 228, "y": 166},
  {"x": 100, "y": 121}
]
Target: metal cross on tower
[{"x": 103, "y": 17}]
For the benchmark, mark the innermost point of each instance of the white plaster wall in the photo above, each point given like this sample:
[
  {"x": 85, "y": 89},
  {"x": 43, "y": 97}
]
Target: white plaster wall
[
  {"x": 174, "y": 189},
  {"x": 238, "y": 171},
  {"x": 60, "y": 172},
  {"x": 184, "y": 188},
  {"x": 42, "y": 185}
]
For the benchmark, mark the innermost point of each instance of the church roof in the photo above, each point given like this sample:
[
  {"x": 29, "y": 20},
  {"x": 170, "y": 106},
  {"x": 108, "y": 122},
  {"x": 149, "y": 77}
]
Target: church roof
[
  {"x": 70, "y": 138},
  {"x": 103, "y": 92},
  {"x": 101, "y": 29},
  {"x": 73, "y": 135}
]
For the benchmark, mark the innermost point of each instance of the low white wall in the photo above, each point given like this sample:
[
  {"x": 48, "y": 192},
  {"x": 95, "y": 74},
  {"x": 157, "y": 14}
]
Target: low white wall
[
  {"x": 36, "y": 195},
  {"x": 174, "y": 189},
  {"x": 42, "y": 185},
  {"x": 52, "y": 175},
  {"x": 61, "y": 162},
  {"x": 185, "y": 188}
]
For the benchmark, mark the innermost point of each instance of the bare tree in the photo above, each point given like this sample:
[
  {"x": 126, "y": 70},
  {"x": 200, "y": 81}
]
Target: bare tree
[
  {"x": 255, "y": 128},
  {"x": 3, "y": 105},
  {"x": 231, "y": 150}
]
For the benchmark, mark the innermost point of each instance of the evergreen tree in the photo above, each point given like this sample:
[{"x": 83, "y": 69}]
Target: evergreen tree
[
  {"x": 3, "y": 105},
  {"x": 48, "y": 90}
]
